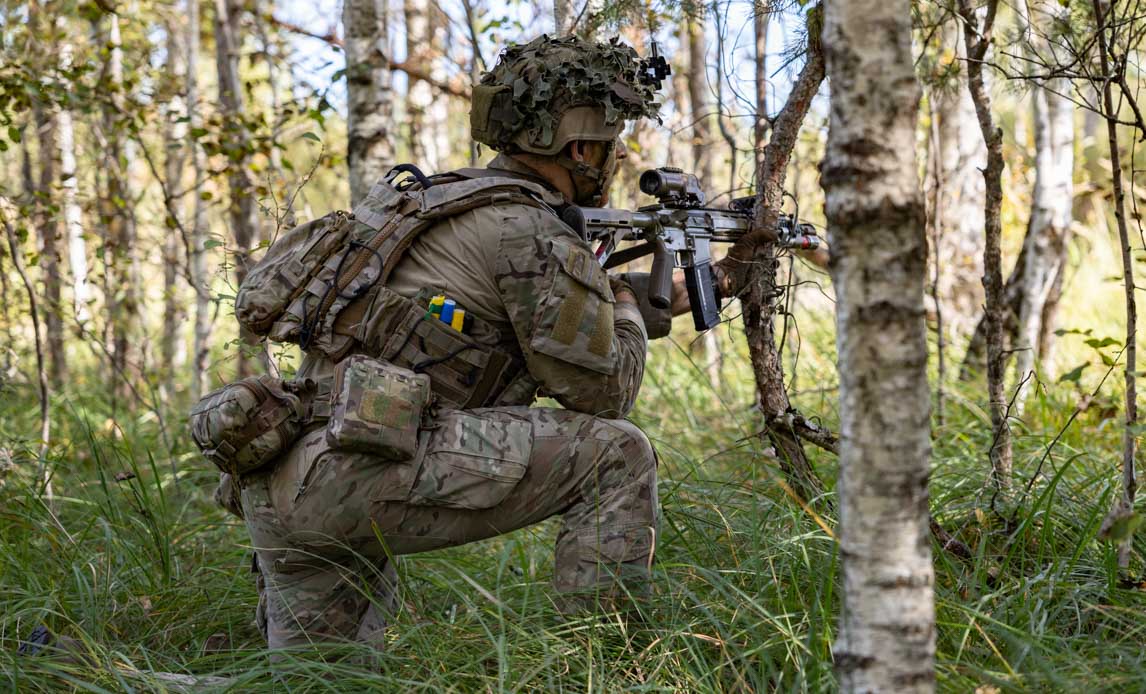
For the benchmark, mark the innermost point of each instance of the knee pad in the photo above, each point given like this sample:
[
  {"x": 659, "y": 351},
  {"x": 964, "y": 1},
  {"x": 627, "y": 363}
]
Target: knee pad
[{"x": 635, "y": 446}]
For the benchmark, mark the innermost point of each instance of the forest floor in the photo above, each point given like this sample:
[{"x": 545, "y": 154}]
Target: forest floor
[{"x": 140, "y": 566}]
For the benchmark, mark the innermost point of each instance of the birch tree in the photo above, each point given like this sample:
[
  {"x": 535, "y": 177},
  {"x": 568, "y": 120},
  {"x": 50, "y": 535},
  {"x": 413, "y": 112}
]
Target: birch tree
[
  {"x": 117, "y": 213},
  {"x": 69, "y": 187},
  {"x": 370, "y": 150},
  {"x": 959, "y": 195},
  {"x": 198, "y": 260},
  {"x": 47, "y": 223},
  {"x": 1030, "y": 296},
  {"x": 1044, "y": 254},
  {"x": 563, "y": 15},
  {"x": 173, "y": 350},
  {"x": 875, "y": 214}
]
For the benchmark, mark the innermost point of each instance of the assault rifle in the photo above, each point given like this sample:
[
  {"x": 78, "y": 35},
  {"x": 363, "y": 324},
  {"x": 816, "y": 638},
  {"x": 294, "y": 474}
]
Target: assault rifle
[{"x": 678, "y": 231}]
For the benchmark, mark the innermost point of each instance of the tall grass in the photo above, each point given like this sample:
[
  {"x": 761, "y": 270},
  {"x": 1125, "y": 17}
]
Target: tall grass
[{"x": 150, "y": 576}]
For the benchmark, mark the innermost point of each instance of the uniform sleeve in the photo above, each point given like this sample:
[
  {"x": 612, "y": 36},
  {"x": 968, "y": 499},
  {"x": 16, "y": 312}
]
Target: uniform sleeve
[{"x": 586, "y": 350}]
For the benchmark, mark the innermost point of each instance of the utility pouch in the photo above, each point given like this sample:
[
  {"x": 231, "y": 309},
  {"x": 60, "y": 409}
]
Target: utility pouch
[
  {"x": 247, "y": 424},
  {"x": 376, "y": 408}
]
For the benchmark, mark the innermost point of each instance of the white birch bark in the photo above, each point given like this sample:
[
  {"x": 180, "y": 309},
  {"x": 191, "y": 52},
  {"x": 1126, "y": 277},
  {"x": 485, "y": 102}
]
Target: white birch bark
[
  {"x": 419, "y": 95},
  {"x": 959, "y": 212},
  {"x": 1048, "y": 230},
  {"x": 198, "y": 259},
  {"x": 875, "y": 215},
  {"x": 69, "y": 184},
  {"x": 370, "y": 150},
  {"x": 123, "y": 265},
  {"x": 562, "y": 16},
  {"x": 173, "y": 349}
]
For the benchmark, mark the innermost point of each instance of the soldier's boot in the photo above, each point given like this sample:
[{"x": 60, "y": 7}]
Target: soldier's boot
[
  {"x": 329, "y": 604},
  {"x": 61, "y": 649}
]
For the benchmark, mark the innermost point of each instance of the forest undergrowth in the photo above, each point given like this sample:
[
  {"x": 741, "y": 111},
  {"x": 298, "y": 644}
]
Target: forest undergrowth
[{"x": 135, "y": 561}]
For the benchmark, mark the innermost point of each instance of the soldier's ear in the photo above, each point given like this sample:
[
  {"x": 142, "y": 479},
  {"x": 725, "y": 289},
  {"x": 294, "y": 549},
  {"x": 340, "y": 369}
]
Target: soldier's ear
[{"x": 577, "y": 150}]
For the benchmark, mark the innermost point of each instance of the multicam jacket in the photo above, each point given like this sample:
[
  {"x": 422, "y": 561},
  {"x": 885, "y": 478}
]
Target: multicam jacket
[{"x": 523, "y": 272}]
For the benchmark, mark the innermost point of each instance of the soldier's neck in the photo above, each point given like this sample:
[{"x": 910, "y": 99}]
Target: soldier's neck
[{"x": 549, "y": 170}]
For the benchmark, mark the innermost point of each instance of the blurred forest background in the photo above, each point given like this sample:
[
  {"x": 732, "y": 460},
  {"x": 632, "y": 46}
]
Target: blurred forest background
[{"x": 150, "y": 148}]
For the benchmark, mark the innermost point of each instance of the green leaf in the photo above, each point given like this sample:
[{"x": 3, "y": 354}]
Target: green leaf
[
  {"x": 1104, "y": 342},
  {"x": 213, "y": 243},
  {"x": 1074, "y": 374},
  {"x": 311, "y": 136},
  {"x": 13, "y": 133},
  {"x": 198, "y": 132}
]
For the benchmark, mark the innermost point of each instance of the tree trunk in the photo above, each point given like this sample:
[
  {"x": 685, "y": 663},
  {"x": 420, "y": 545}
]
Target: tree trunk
[
  {"x": 198, "y": 260},
  {"x": 707, "y": 348},
  {"x": 563, "y": 16},
  {"x": 8, "y": 350},
  {"x": 242, "y": 210},
  {"x": 762, "y": 11},
  {"x": 6, "y": 212},
  {"x": 1032, "y": 290},
  {"x": 173, "y": 352},
  {"x": 959, "y": 212},
  {"x": 73, "y": 215},
  {"x": 1048, "y": 230},
  {"x": 875, "y": 216},
  {"x": 751, "y": 267},
  {"x": 935, "y": 231},
  {"x": 46, "y": 222},
  {"x": 117, "y": 214},
  {"x": 477, "y": 63},
  {"x": 369, "y": 95},
  {"x": 423, "y": 117},
  {"x": 1124, "y": 509},
  {"x": 977, "y": 39},
  {"x": 48, "y": 227}
]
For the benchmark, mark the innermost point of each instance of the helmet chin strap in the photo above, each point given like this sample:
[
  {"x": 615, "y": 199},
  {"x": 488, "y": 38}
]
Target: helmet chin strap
[{"x": 599, "y": 176}]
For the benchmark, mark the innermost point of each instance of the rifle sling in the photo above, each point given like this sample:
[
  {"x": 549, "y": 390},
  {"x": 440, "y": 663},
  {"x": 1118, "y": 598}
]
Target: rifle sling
[{"x": 628, "y": 255}]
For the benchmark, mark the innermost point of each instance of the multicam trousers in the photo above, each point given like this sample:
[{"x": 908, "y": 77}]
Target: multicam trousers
[{"x": 324, "y": 522}]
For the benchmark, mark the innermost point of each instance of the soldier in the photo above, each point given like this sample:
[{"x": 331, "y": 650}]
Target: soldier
[{"x": 544, "y": 318}]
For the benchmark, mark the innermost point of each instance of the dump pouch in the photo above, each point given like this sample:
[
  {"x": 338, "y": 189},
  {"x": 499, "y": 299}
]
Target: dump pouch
[
  {"x": 376, "y": 408},
  {"x": 247, "y": 424}
]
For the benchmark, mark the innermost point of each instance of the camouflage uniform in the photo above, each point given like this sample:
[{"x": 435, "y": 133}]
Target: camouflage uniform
[{"x": 326, "y": 523}]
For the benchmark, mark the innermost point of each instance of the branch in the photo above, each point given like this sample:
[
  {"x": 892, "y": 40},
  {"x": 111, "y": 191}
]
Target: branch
[
  {"x": 6, "y": 209},
  {"x": 808, "y": 430},
  {"x": 332, "y": 38},
  {"x": 770, "y": 177}
]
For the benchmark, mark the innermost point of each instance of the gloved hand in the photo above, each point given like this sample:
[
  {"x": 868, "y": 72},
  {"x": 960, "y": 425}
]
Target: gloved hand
[{"x": 658, "y": 321}]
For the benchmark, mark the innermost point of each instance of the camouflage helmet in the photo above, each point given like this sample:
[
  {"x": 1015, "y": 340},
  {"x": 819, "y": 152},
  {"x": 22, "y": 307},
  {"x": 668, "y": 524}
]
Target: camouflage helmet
[{"x": 542, "y": 95}]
